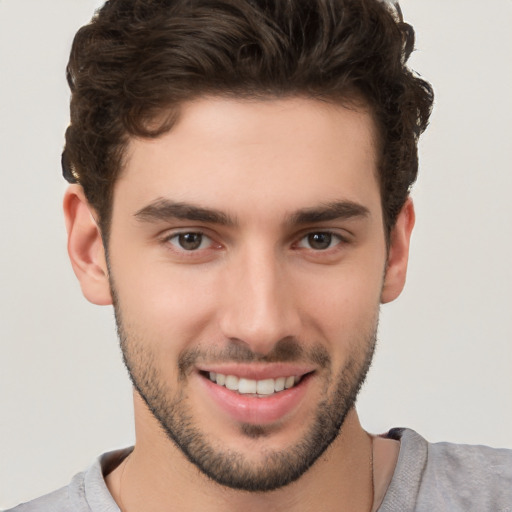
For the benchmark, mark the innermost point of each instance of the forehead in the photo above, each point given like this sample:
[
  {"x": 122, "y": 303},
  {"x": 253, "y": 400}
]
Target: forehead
[{"x": 242, "y": 155}]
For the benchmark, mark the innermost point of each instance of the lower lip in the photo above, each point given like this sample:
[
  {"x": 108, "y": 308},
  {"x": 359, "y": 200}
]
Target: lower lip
[{"x": 255, "y": 410}]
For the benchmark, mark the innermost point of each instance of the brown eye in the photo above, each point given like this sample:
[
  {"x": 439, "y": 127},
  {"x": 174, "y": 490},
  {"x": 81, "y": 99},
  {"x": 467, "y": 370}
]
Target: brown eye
[
  {"x": 190, "y": 241},
  {"x": 319, "y": 241}
]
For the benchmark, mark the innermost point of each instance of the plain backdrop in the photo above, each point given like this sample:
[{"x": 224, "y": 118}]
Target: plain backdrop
[{"x": 443, "y": 364}]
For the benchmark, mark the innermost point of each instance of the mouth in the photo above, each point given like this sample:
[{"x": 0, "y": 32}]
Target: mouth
[
  {"x": 252, "y": 387},
  {"x": 252, "y": 395}
]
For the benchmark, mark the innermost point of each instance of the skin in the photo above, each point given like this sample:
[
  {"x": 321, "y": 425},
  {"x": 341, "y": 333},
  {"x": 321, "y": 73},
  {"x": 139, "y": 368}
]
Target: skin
[{"x": 254, "y": 282}]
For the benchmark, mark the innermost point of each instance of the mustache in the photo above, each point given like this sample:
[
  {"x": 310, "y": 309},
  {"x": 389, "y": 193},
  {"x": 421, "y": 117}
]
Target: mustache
[{"x": 286, "y": 350}]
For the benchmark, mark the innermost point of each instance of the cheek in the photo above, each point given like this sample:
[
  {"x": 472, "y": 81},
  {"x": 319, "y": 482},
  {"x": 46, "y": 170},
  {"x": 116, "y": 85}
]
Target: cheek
[
  {"x": 165, "y": 306},
  {"x": 346, "y": 308},
  {"x": 342, "y": 307}
]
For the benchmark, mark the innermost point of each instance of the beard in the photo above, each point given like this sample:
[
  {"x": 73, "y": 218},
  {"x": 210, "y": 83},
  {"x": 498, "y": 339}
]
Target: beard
[{"x": 226, "y": 466}]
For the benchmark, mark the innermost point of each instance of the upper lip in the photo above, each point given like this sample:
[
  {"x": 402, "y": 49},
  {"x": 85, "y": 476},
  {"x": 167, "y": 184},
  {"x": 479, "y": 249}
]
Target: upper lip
[{"x": 258, "y": 371}]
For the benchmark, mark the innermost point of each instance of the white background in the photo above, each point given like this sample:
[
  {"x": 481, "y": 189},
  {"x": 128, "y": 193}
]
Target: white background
[{"x": 443, "y": 365}]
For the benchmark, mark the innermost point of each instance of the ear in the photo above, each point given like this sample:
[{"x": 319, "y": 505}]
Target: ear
[
  {"x": 398, "y": 256},
  {"x": 85, "y": 247}
]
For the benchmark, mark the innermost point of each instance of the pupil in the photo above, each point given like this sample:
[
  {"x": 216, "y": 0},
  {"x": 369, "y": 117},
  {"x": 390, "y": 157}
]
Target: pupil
[
  {"x": 190, "y": 241},
  {"x": 320, "y": 241}
]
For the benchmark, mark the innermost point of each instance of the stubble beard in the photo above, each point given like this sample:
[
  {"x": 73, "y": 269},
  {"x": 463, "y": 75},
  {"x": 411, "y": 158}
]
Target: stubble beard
[{"x": 228, "y": 467}]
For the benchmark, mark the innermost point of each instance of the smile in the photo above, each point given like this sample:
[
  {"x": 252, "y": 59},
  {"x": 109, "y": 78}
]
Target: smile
[
  {"x": 264, "y": 387},
  {"x": 256, "y": 394}
]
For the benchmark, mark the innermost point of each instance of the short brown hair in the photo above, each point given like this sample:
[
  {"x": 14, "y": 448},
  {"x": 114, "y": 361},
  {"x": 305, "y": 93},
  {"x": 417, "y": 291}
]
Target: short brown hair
[{"x": 139, "y": 59}]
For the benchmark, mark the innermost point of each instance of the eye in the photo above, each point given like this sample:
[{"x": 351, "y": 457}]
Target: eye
[
  {"x": 190, "y": 241},
  {"x": 320, "y": 241}
]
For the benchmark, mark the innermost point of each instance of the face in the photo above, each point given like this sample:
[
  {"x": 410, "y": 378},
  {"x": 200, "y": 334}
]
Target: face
[{"x": 246, "y": 260}]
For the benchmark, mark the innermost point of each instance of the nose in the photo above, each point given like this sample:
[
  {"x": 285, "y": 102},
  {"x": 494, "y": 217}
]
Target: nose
[{"x": 259, "y": 306}]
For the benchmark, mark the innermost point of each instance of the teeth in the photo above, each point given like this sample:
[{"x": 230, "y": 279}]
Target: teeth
[
  {"x": 246, "y": 386},
  {"x": 263, "y": 387},
  {"x": 289, "y": 382},
  {"x": 232, "y": 382},
  {"x": 279, "y": 384}
]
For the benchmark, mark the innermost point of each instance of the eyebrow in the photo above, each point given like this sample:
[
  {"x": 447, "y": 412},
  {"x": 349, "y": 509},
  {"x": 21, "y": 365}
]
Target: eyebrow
[
  {"x": 165, "y": 209},
  {"x": 335, "y": 210}
]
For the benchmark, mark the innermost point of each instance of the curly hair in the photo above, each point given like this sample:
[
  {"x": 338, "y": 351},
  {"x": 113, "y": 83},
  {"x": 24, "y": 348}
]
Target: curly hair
[{"x": 137, "y": 60}]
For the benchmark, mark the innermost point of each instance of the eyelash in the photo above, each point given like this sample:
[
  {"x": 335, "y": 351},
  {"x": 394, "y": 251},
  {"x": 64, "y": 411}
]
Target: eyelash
[
  {"x": 178, "y": 247},
  {"x": 332, "y": 236}
]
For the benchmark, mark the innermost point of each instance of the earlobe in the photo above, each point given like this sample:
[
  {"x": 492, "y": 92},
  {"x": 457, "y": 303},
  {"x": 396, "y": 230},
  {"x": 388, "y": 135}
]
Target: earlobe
[
  {"x": 398, "y": 257},
  {"x": 85, "y": 247}
]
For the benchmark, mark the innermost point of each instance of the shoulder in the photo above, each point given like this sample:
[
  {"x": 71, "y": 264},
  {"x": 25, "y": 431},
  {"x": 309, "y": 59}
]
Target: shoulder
[
  {"x": 87, "y": 491},
  {"x": 61, "y": 500},
  {"x": 449, "y": 477},
  {"x": 479, "y": 476}
]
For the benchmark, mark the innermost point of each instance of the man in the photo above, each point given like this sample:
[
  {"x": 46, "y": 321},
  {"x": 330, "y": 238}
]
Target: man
[{"x": 240, "y": 176}]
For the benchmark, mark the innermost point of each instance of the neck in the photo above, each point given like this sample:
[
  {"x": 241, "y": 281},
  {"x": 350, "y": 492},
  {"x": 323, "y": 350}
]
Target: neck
[{"x": 157, "y": 477}]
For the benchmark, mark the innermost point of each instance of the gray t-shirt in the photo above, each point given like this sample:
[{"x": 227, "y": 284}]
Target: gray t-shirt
[{"x": 427, "y": 478}]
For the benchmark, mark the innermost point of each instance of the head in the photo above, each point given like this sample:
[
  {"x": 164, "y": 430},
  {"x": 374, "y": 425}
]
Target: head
[
  {"x": 136, "y": 63},
  {"x": 244, "y": 170}
]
